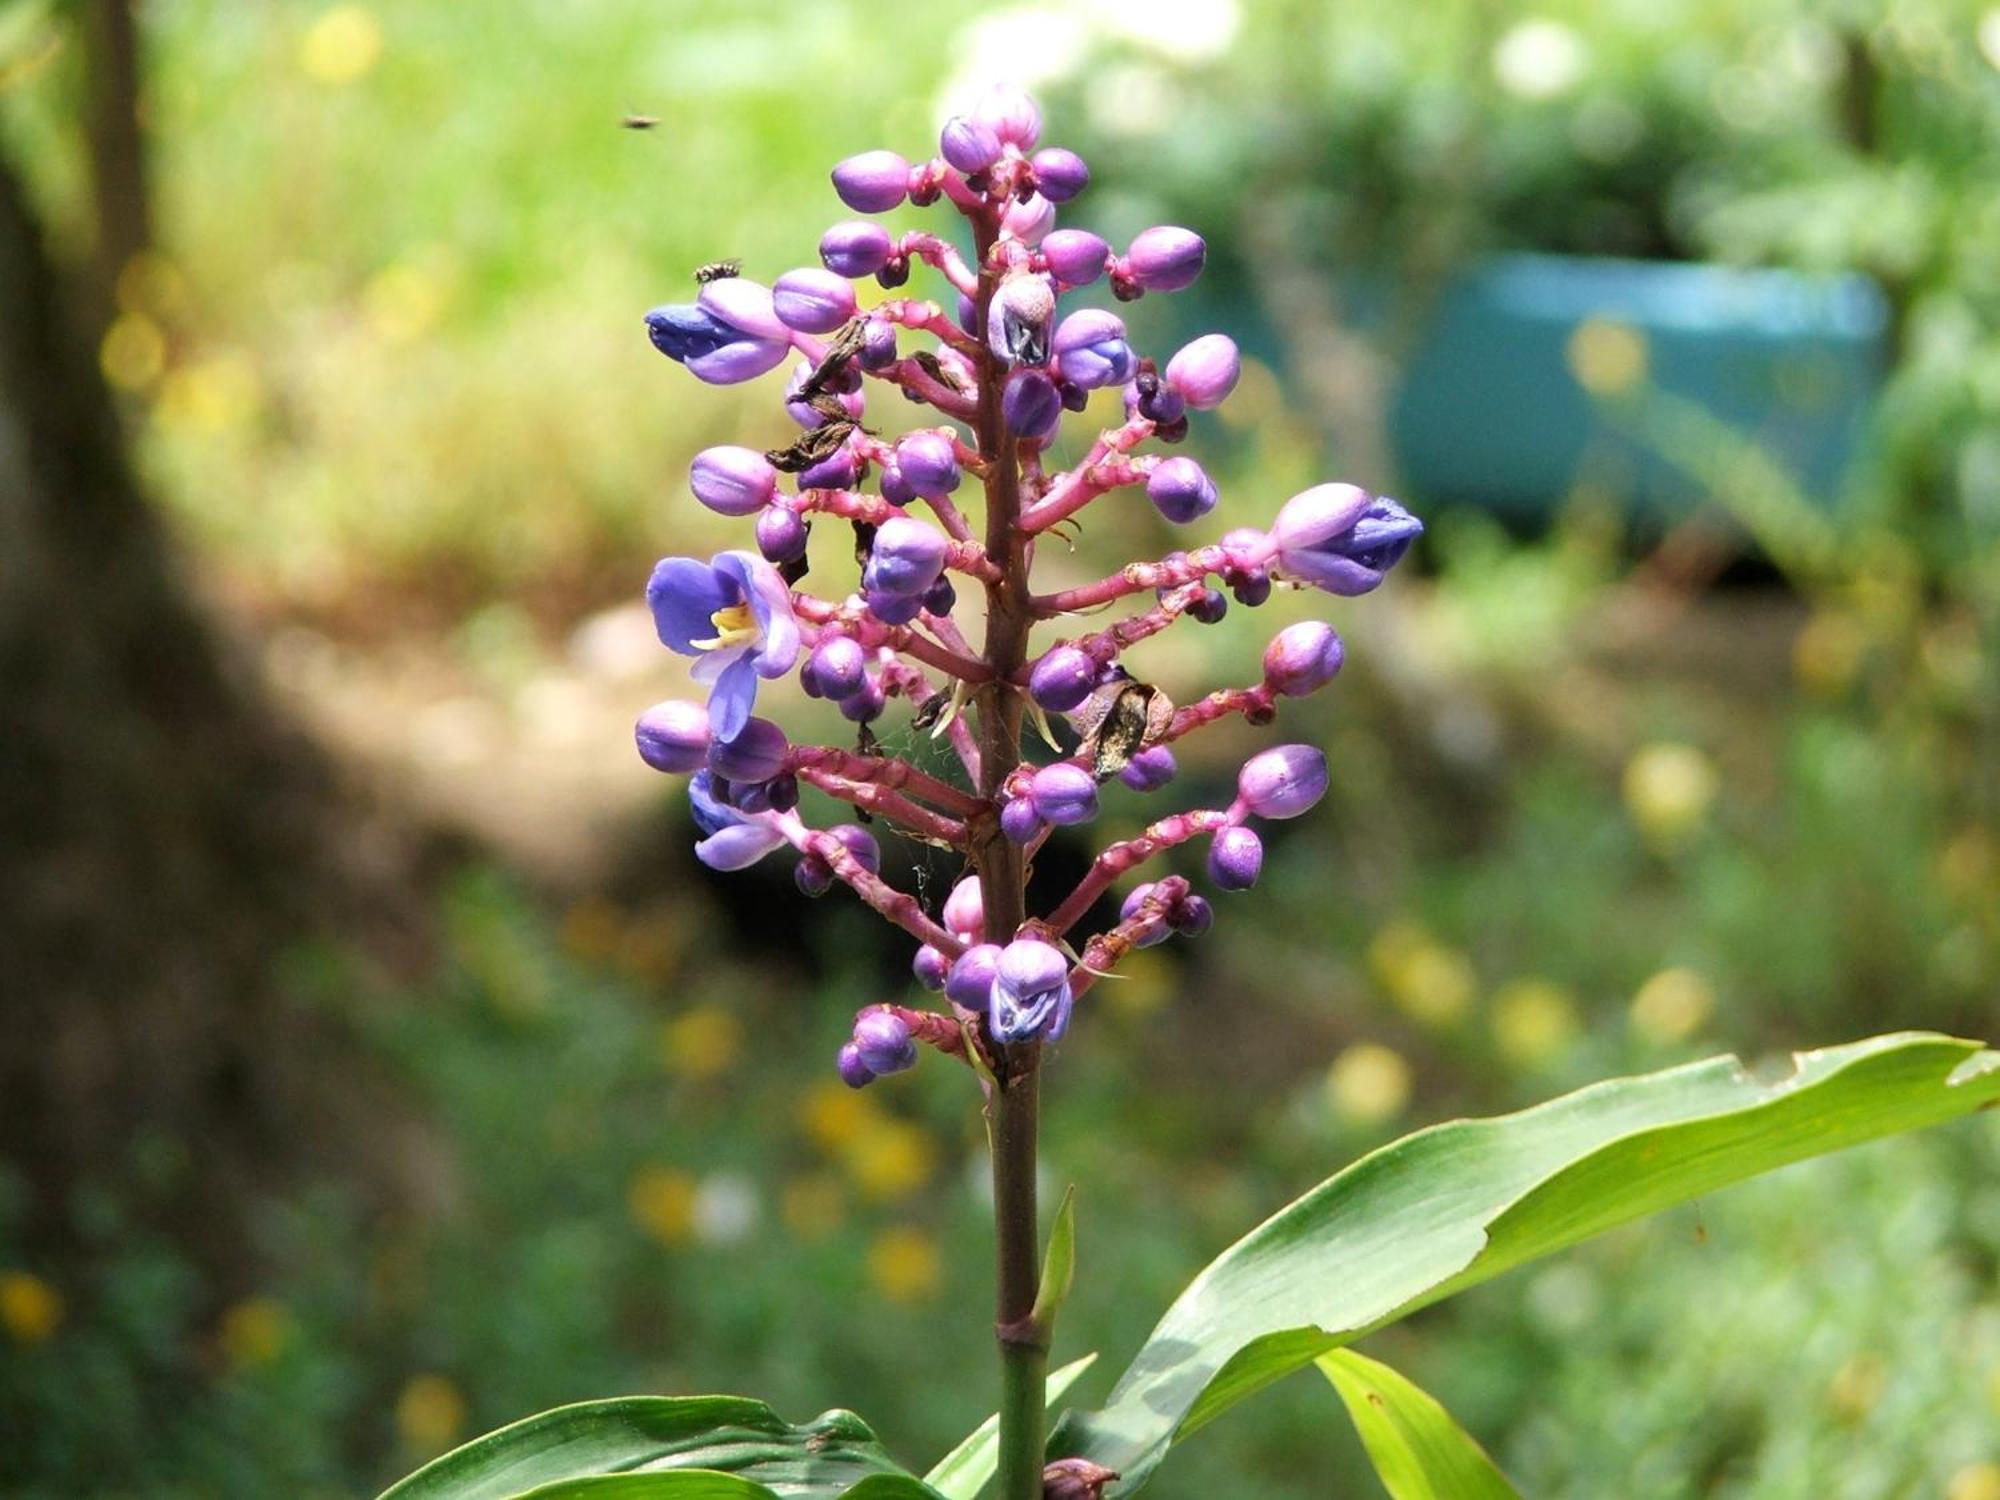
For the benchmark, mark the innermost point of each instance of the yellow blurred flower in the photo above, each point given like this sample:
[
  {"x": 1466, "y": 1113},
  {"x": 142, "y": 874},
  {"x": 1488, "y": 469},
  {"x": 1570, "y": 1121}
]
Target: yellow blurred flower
[
  {"x": 1856, "y": 1386},
  {"x": 661, "y": 1201},
  {"x": 342, "y": 46},
  {"x": 401, "y": 303},
  {"x": 254, "y": 1332},
  {"x": 905, "y": 1265},
  {"x": 813, "y": 1207},
  {"x": 1827, "y": 655},
  {"x": 591, "y": 928},
  {"x": 832, "y": 1114},
  {"x": 890, "y": 1159},
  {"x": 701, "y": 1044},
  {"x": 1142, "y": 984},
  {"x": 430, "y": 1414},
  {"x": 1427, "y": 981},
  {"x": 133, "y": 353},
  {"x": 1672, "y": 1006},
  {"x": 1369, "y": 1084},
  {"x": 1608, "y": 358},
  {"x": 214, "y": 394},
  {"x": 30, "y": 1309},
  {"x": 1534, "y": 1021},
  {"x": 1668, "y": 790},
  {"x": 1975, "y": 1482}
]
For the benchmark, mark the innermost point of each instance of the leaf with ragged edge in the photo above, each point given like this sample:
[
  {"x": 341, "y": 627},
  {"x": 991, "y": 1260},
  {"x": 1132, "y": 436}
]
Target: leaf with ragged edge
[
  {"x": 1419, "y": 1452},
  {"x": 1454, "y": 1205},
  {"x": 962, "y": 1473},
  {"x": 650, "y": 1434}
]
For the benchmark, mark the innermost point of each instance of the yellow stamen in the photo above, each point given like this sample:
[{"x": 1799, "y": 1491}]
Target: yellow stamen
[{"x": 734, "y": 626}]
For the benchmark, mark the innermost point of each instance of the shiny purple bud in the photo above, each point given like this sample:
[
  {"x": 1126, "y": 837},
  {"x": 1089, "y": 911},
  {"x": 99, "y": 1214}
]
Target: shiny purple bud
[
  {"x": 1063, "y": 794},
  {"x": 1031, "y": 995},
  {"x": 1031, "y": 405},
  {"x": 856, "y": 248},
  {"x": 1149, "y": 770},
  {"x": 878, "y": 344},
  {"x": 865, "y": 705},
  {"x": 756, "y": 754},
  {"x": 1209, "y": 607},
  {"x": 1204, "y": 372},
  {"x": 712, "y": 348},
  {"x": 940, "y": 597},
  {"x": 812, "y": 875},
  {"x": 1091, "y": 351},
  {"x": 895, "y": 488},
  {"x": 1181, "y": 490},
  {"x": 1059, "y": 175},
  {"x": 1282, "y": 782},
  {"x": 1235, "y": 859},
  {"x": 860, "y": 843},
  {"x": 1062, "y": 678},
  {"x": 1019, "y": 820},
  {"x": 812, "y": 300},
  {"x": 929, "y": 463},
  {"x": 969, "y": 144},
  {"x": 893, "y": 609},
  {"x": 855, "y": 1073},
  {"x": 674, "y": 736},
  {"x": 883, "y": 1039},
  {"x": 732, "y": 481},
  {"x": 965, "y": 909},
  {"x": 971, "y": 979},
  {"x": 1075, "y": 257},
  {"x": 1074, "y": 397},
  {"x": 1028, "y": 221},
  {"x": 1011, "y": 115},
  {"x": 1251, "y": 588},
  {"x": 1159, "y": 404},
  {"x": 1193, "y": 916},
  {"x": 1165, "y": 258},
  {"x": 930, "y": 967},
  {"x": 781, "y": 534},
  {"x": 1340, "y": 538},
  {"x": 839, "y": 667},
  {"x": 1303, "y": 658},
  {"x": 840, "y": 472},
  {"x": 873, "y": 182},
  {"x": 1156, "y": 931},
  {"x": 906, "y": 558}
]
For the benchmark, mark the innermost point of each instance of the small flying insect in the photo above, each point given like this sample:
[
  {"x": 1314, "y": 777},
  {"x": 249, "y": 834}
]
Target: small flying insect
[
  {"x": 639, "y": 122},
  {"x": 717, "y": 270}
]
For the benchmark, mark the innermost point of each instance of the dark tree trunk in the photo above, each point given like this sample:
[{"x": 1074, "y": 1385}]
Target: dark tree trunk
[{"x": 163, "y": 835}]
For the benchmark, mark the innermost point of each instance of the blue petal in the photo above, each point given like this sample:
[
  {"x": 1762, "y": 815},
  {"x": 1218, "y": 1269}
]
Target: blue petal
[
  {"x": 730, "y": 700},
  {"x": 738, "y": 847},
  {"x": 685, "y": 332},
  {"x": 684, "y": 595}
]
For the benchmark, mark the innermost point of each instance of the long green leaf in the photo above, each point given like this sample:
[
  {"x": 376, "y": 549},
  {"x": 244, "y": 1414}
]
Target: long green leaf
[
  {"x": 649, "y": 1434},
  {"x": 677, "y": 1484},
  {"x": 1417, "y": 1449},
  {"x": 1451, "y": 1206},
  {"x": 962, "y": 1473}
]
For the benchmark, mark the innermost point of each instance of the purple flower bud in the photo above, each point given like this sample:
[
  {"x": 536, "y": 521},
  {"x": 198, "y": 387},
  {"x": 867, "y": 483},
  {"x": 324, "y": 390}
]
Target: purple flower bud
[
  {"x": 839, "y": 666},
  {"x": 1031, "y": 995},
  {"x": 1209, "y": 607},
  {"x": 1251, "y": 588},
  {"x": 861, "y": 844},
  {"x": 1031, "y": 406},
  {"x": 1282, "y": 782},
  {"x": 1017, "y": 322},
  {"x": 894, "y": 274},
  {"x": 1019, "y": 820},
  {"x": 895, "y": 488},
  {"x": 1062, "y": 679},
  {"x": 812, "y": 301},
  {"x": 1340, "y": 538},
  {"x": 1193, "y": 916},
  {"x": 732, "y": 481},
  {"x": 1063, "y": 794},
  {"x": 756, "y": 754},
  {"x": 1091, "y": 351},
  {"x": 1011, "y": 115},
  {"x": 1181, "y": 490},
  {"x": 1154, "y": 932},
  {"x": 930, "y": 967},
  {"x": 1075, "y": 1479},
  {"x": 893, "y": 609},
  {"x": 855, "y": 248},
  {"x": 906, "y": 559},
  {"x": 883, "y": 1039},
  {"x": 969, "y": 144},
  {"x": 840, "y": 472},
  {"x": 970, "y": 982},
  {"x": 965, "y": 909},
  {"x": 878, "y": 344},
  {"x": 865, "y": 705},
  {"x": 1235, "y": 859},
  {"x": 1059, "y": 175},
  {"x": 1074, "y": 397},
  {"x": 855, "y": 1073},
  {"x": 781, "y": 534},
  {"x": 1303, "y": 658},
  {"x": 1165, "y": 258},
  {"x": 674, "y": 736},
  {"x": 852, "y": 401},
  {"x": 928, "y": 463},
  {"x": 940, "y": 597},
  {"x": 1028, "y": 220},
  {"x": 713, "y": 349},
  {"x": 1204, "y": 372},
  {"x": 1149, "y": 770},
  {"x": 1075, "y": 257},
  {"x": 873, "y": 182},
  {"x": 812, "y": 875}
]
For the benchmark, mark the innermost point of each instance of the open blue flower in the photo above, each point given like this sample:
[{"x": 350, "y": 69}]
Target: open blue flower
[
  {"x": 734, "y": 614},
  {"x": 729, "y": 840},
  {"x": 1030, "y": 996}
]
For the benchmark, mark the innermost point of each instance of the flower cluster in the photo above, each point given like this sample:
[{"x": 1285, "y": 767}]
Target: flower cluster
[{"x": 1001, "y": 369}]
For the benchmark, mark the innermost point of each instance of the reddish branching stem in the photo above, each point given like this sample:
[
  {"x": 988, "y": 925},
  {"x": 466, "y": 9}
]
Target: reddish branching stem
[
  {"x": 1129, "y": 855},
  {"x": 899, "y": 907},
  {"x": 854, "y": 619},
  {"x": 1103, "y": 953},
  {"x": 885, "y": 771},
  {"x": 1103, "y": 469},
  {"x": 1135, "y": 578}
]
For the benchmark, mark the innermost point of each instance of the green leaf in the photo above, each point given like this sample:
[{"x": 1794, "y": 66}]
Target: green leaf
[
  {"x": 1417, "y": 1449},
  {"x": 962, "y": 1473},
  {"x": 1454, "y": 1205},
  {"x": 638, "y": 1435},
  {"x": 1059, "y": 1264},
  {"x": 678, "y": 1484}
]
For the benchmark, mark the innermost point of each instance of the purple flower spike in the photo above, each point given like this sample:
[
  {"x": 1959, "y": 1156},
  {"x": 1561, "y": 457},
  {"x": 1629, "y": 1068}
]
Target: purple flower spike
[
  {"x": 1075, "y": 257},
  {"x": 1032, "y": 406},
  {"x": 734, "y": 615},
  {"x": 1031, "y": 995},
  {"x": 1017, "y": 324},
  {"x": 732, "y": 481},
  {"x": 968, "y": 144},
  {"x": 1235, "y": 859},
  {"x": 756, "y": 754},
  {"x": 781, "y": 534},
  {"x": 1149, "y": 770},
  {"x": 713, "y": 349},
  {"x": 1019, "y": 820},
  {"x": 905, "y": 560},
  {"x": 928, "y": 463},
  {"x": 855, "y": 1073},
  {"x": 1340, "y": 538},
  {"x": 855, "y": 248},
  {"x": 839, "y": 667},
  {"x": 812, "y": 301},
  {"x": 873, "y": 182},
  {"x": 1012, "y": 116},
  {"x": 1059, "y": 175},
  {"x": 965, "y": 909},
  {"x": 1063, "y": 794},
  {"x": 1282, "y": 782},
  {"x": 1062, "y": 679},
  {"x": 1303, "y": 658},
  {"x": 1156, "y": 932},
  {"x": 930, "y": 967},
  {"x": 883, "y": 1040},
  {"x": 1204, "y": 372},
  {"x": 674, "y": 736},
  {"x": 970, "y": 982},
  {"x": 1091, "y": 351},
  {"x": 729, "y": 841},
  {"x": 1181, "y": 490},
  {"x": 1166, "y": 258}
]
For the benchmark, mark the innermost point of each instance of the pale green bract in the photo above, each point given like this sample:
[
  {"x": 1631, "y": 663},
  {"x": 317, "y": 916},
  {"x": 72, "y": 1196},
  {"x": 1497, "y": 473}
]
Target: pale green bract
[{"x": 1419, "y": 1452}]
